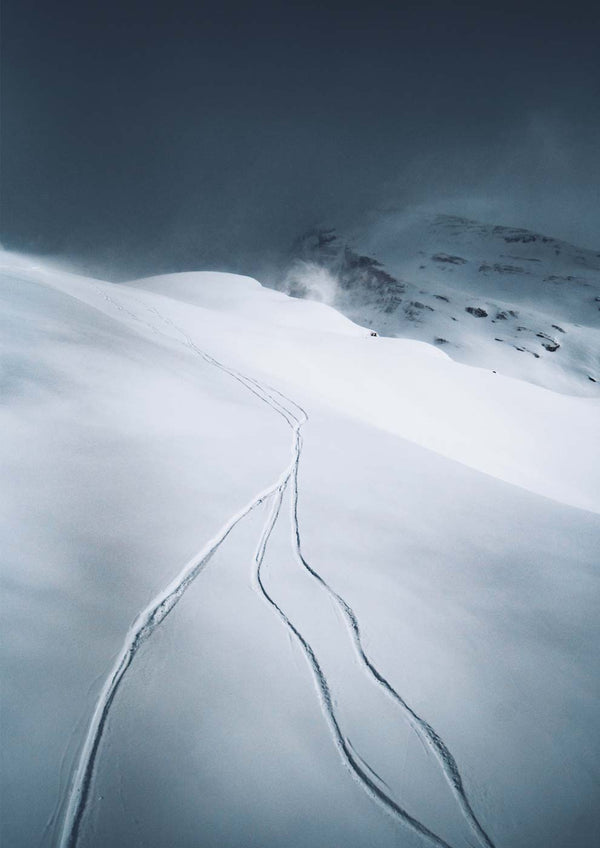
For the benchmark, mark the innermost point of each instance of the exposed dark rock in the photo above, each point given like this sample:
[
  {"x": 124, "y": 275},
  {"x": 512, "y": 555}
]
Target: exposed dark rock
[
  {"x": 548, "y": 339},
  {"x": 551, "y": 346},
  {"x": 354, "y": 271},
  {"x": 592, "y": 379},
  {"x": 560, "y": 329},
  {"x": 442, "y": 297},
  {"x": 418, "y": 305},
  {"x": 557, "y": 278},
  {"x": 476, "y": 311},
  {"x": 502, "y": 269},
  {"x": 392, "y": 305},
  {"x": 520, "y": 236},
  {"x": 413, "y": 314},
  {"x": 441, "y": 341},
  {"x": 449, "y": 259}
]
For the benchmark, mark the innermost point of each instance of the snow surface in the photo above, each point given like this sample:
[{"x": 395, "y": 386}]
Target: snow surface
[{"x": 230, "y": 620}]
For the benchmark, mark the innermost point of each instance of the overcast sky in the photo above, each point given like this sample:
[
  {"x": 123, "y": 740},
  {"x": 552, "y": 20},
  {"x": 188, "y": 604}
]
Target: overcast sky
[{"x": 142, "y": 136}]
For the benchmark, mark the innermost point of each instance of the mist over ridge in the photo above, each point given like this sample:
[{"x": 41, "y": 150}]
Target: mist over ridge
[{"x": 139, "y": 140}]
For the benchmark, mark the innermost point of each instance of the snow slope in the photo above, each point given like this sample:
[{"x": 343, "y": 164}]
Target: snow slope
[
  {"x": 521, "y": 303},
  {"x": 270, "y": 581}
]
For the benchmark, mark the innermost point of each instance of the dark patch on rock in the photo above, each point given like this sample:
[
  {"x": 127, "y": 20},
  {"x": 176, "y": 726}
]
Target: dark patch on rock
[
  {"x": 557, "y": 278},
  {"x": 442, "y": 297},
  {"x": 476, "y": 311},
  {"x": 593, "y": 379},
  {"x": 560, "y": 329},
  {"x": 418, "y": 305},
  {"x": 355, "y": 272},
  {"x": 502, "y": 269},
  {"x": 498, "y": 340},
  {"x": 524, "y": 237},
  {"x": 449, "y": 259},
  {"x": 551, "y": 346},
  {"x": 441, "y": 341},
  {"x": 548, "y": 339}
]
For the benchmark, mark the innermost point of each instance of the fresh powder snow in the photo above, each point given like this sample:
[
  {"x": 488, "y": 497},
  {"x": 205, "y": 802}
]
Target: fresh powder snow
[{"x": 270, "y": 580}]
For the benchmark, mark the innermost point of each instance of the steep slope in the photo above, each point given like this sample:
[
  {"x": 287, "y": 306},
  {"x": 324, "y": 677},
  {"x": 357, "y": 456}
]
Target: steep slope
[
  {"x": 332, "y": 589},
  {"x": 507, "y": 299}
]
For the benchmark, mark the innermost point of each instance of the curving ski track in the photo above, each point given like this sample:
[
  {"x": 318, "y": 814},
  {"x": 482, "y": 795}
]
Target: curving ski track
[
  {"x": 355, "y": 765},
  {"x": 423, "y": 728},
  {"x": 158, "y": 609}
]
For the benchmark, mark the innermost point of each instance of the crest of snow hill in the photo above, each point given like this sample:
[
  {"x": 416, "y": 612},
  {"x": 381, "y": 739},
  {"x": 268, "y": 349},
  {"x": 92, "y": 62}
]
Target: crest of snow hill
[{"x": 514, "y": 301}]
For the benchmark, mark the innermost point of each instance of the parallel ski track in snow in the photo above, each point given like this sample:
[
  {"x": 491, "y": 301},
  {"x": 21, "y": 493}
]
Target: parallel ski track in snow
[
  {"x": 423, "y": 728},
  {"x": 355, "y": 764},
  {"x": 157, "y": 610}
]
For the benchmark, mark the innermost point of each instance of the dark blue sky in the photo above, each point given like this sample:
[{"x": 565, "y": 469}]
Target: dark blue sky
[{"x": 141, "y": 136}]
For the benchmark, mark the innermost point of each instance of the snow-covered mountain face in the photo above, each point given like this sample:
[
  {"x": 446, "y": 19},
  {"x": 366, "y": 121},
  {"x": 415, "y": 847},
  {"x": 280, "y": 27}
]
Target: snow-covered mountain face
[
  {"x": 269, "y": 581},
  {"x": 506, "y": 299}
]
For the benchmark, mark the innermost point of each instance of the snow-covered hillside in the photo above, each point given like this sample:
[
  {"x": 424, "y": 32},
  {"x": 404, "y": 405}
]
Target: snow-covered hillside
[
  {"x": 271, "y": 581},
  {"x": 517, "y": 302}
]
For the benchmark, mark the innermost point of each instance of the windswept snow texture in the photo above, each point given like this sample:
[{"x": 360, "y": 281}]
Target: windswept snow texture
[
  {"x": 270, "y": 581},
  {"x": 510, "y": 300}
]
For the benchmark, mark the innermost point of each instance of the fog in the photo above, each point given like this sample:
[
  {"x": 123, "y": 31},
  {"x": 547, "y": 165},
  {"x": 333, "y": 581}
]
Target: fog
[{"x": 137, "y": 141}]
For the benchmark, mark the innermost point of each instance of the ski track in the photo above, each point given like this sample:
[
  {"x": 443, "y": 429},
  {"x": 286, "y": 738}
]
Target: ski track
[
  {"x": 158, "y": 609},
  {"x": 362, "y": 775},
  {"x": 424, "y": 729}
]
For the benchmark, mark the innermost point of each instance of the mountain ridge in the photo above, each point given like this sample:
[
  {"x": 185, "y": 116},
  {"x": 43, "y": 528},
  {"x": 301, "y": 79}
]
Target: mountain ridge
[{"x": 505, "y": 298}]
